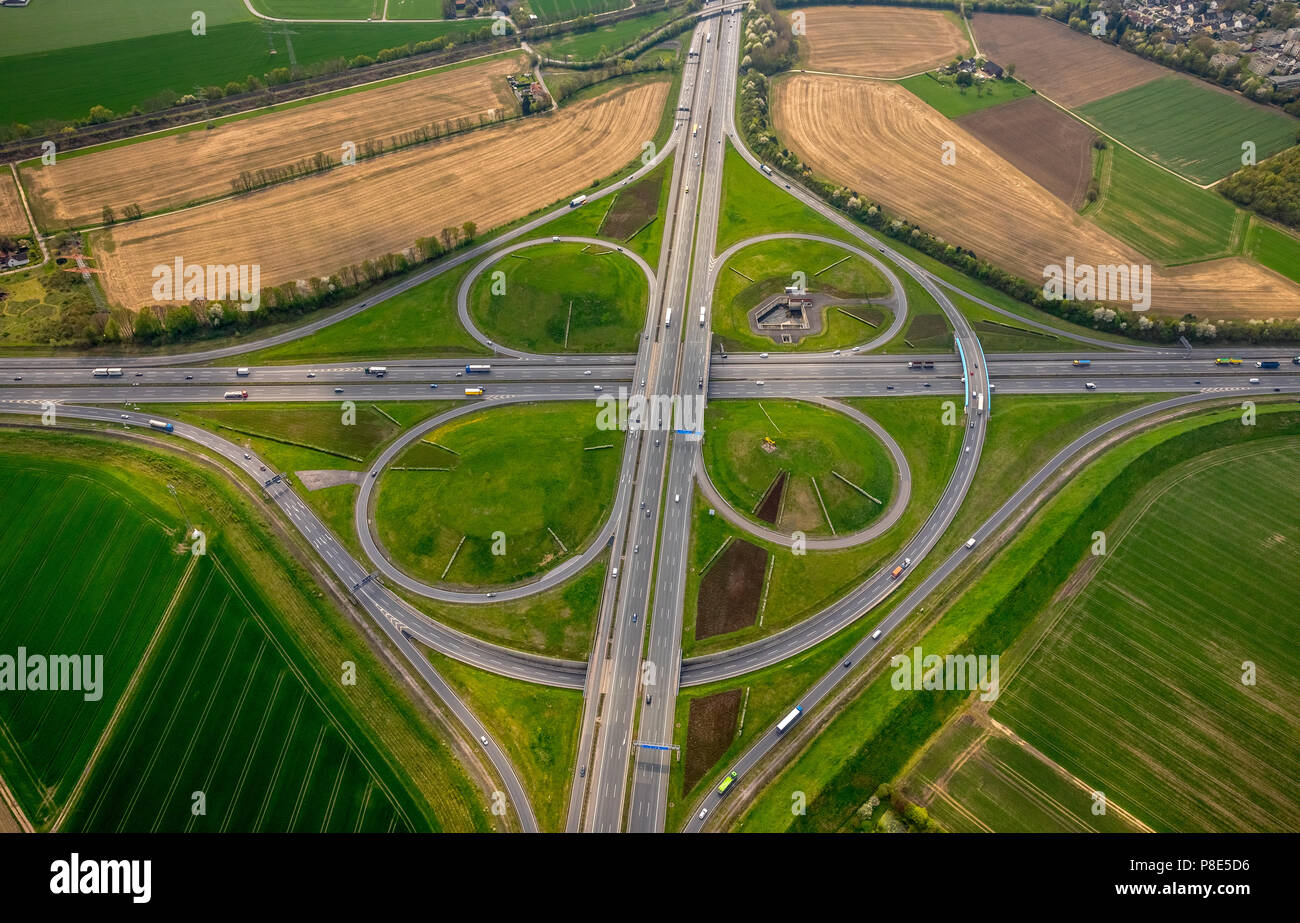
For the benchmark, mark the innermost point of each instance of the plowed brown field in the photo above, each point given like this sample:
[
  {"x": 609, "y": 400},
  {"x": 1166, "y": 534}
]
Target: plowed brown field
[
  {"x": 1063, "y": 65},
  {"x": 883, "y": 142},
  {"x": 1052, "y": 148},
  {"x": 13, "y": 222},
  {"x": 170, "y": 171},
  {"x": 880, "y": 41},
  {"x": 317, "y": 225}
]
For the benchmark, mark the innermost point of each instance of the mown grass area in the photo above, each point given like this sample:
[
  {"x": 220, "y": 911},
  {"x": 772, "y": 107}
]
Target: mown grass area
[
  {"x": 1001, "y": 334},
  {"x": 420, "y": 322},
  {"x": 308, "y": 436},
  {"x": 604, "y": 41},
  {"x": 1165, "y": 217},
  {"x": 537, "y": 726},
  {"x": 750, "y": 207},
  {"x": 942, "y": 93},
  {"x": 800, "y": 585},
  {"x": 1273, "y": 247},
  {"x": 562, "y": 297},
  {"x": 65, "y": 83},
  {"x": 1193, "y": 129},
  {"x": 529, "y": 477},
  {"x": 810, "y": 443},
  {"x": 243, "y": 642},
  {"x": 765, "y": 269},
  {"x": 872, "y": 738},
  {"x": 1151, "y": 647}
]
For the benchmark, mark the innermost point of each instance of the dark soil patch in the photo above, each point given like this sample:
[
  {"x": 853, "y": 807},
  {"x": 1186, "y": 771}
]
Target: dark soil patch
[
  {"x": 1047, "y": 145},
  {"x": 771, "y": 505},
  {"x": 635, "y": 206},
  {"x": 731, "y": 590},
  {"x": 710, "y": 729}
]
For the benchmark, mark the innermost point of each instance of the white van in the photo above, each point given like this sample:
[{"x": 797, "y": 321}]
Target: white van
[
  {"x": 677, "y": 498},
  {"x": 614, "y": 573},
  {"x": 1091, "y": 386},
  {"x": 875, "y": 634},
  {"x": 970, "y": 543}
]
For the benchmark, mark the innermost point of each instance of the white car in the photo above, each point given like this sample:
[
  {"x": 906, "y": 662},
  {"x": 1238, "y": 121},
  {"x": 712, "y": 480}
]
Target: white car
[
  {"x": 588, "y": 372},
  {"x": 836, "y": 353},
  {"x": 556, "y": 238},
  {"x": 1254, "y": 381},
  {"x": 759, "y": 382},
  {"x": 703, "y": 813},
  {"x": 762, "y": 355},
  {"x": 597, "y": 388},
  {"x": 483, "y": 741}
]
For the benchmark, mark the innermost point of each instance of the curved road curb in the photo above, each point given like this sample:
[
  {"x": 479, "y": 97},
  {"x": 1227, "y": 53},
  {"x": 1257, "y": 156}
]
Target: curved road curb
[{"x": 897, "y": 504}]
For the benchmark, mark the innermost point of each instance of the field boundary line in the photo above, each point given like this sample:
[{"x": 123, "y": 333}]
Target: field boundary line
[
  {"x": 127, "y": 694},
  {"x": 293, "y": 668}
]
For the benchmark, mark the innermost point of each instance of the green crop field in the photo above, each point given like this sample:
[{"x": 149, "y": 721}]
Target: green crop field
[
  {"x": 813, "y": 444},
  {"x": 414, "y": 9},
  {"x": 942, "y": 93},
  {"x": 766, "y": 268},
  {"x": 88, "y": 569},
  {"x": 1272, "y": 247},
  {"x": 1191, "y": 128},
  {"x": 65, "y": 83},
  {"x": 1167, "y": 218},
  {"x": 220, "y": 670},
  {"x": 588, "y": 44},
  {"x": 1150, "y": 649},
  {"x": 558, "y": 10},
  {"x": 321, "y": 9},
  {"x": 518, "y": 470},
  {"x": 555, "y": 298},
  {"x": 973, "y": 780},
  {"x": 48, "y": 26}
]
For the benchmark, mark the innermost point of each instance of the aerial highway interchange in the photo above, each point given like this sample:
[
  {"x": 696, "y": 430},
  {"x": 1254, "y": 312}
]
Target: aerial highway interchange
[{"x": 630, "y": 683}]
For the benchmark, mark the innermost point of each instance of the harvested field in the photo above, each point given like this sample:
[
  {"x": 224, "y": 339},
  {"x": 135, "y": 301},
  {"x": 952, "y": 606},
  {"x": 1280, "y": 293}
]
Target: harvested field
[
  {"x": 171, "y": 171},
  {"x": 382, "y": 205},
  {"x": 771, "y": 504},
  {"x": 881, "y": 41},
  {"x": 867, "y": 135},
  {"x": 710, "y": 729},
  {"x": 13, "y": 222},
  {"x": 730, "y": 590},
  {"x": 1040, "y": 140},
  {"x": 1066, "y": 67}
]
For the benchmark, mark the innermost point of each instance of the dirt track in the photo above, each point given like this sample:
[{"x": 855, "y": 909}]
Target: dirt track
[
  {"x": 880, "y": 41},
  {"x": 1067, "y": 67},
  {"x": 315, "y": 226},
  {"x": 170, "y": 171},
  {"x": 883, "y": 142}
]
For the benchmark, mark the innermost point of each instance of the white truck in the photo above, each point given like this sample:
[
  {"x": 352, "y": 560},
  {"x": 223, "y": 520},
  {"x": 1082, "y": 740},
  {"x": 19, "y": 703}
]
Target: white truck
[
  {"x": 575, "y": 202},
  {"x": 701, "y": 315},
  {"x": 668, "y": 317}
]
